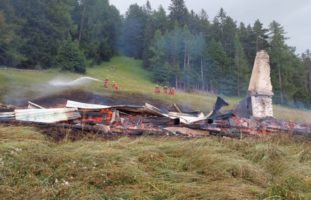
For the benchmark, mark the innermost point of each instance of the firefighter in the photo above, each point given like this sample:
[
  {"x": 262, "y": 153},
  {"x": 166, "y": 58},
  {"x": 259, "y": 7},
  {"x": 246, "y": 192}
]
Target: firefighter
[
  {"x": 157, "y": 89},
  {"x": 106, "y": 83},
  {"x": 171, "y": 91},
  {"x": 115, "y": 85},
  {"x": 165, "y": 89}
]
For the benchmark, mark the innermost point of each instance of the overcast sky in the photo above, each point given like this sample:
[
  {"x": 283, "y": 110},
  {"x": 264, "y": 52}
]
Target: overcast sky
[{"x": 295, "y": 16}]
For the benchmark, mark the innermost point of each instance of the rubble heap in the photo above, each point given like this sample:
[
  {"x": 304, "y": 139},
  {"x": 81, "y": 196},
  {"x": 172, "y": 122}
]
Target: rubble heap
[{"x": 145, "y": 119}]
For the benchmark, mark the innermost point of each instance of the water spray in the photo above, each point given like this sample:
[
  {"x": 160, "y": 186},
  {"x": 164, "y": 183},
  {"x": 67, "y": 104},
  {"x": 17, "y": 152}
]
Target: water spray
[{"x": 79, "y": 81}]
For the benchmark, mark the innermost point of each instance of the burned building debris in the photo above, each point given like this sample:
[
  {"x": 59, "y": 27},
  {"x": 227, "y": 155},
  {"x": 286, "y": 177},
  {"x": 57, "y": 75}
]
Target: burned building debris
[{"x": 146, "y": 119}]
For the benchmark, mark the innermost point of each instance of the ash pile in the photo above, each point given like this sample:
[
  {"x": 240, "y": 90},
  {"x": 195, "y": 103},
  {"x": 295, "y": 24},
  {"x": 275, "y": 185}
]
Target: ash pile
[{"x": 253, "y": 115}]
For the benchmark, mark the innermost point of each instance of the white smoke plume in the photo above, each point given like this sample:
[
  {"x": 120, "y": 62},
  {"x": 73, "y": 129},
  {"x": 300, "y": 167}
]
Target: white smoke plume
[{"x": 77, "y": 82}]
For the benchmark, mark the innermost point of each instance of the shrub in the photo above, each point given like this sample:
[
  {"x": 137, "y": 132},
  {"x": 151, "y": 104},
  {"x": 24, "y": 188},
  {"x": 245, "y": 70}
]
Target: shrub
[{"x": 70, "y": 58}]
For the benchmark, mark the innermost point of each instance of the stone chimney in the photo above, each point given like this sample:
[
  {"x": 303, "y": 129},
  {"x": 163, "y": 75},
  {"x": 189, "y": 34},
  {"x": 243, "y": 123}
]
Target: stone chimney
[{"x": 260, "y": 87}]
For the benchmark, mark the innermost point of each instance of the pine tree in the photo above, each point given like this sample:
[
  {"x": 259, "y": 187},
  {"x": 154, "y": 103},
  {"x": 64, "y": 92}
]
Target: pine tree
[
  {"x": 242, "y": 72},
  {"x": 306, "y": 58},
  {"x": 178, "y": 12},
  {"x": 160, "y": 67},
  {"x": 46, "y": 25},
  {"x": 174, "y": 40},
  {"x": 98, "y": 27},
  {"x": 160, "y": 20},
  {"x": 10, "y": 42},
  {"x": 70, "y": 58},
  {"x": 219, "y": 63},
  {"x": 205, "y": 25},
  {"x": 260, "y": 35},
  {"x": 134, "y": 32},
  {"x": 224, "y": 29},
  {"x": 288, "y": 71},
  {"x": 278, "y": 56},
  {"x": 249, "y": 40},
  {"x": 148, "y": 35}
]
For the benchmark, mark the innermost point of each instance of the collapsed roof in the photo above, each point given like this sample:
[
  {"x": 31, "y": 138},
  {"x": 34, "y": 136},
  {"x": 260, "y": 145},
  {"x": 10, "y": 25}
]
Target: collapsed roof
[{"x": 145, "y": 118}]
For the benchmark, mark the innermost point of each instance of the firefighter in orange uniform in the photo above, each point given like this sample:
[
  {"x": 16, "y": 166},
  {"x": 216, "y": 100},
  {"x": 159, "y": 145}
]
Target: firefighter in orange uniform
[
  {"x": 165, "y": 89},
  {"x": 106, "y": 83},
  {"x": 157, "y": 89},
  {"x": 172, "y": 91},
  {"x": 115, "y": 85}
]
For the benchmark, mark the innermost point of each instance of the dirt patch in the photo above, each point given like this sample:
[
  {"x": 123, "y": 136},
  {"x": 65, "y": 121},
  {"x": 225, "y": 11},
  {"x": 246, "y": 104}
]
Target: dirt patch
[
  {"x": 69, "y": 132},
  {"x": 90, "y": 97},
  {"x": 60, "y": 134},
  {"x": 59, "y": 100}
]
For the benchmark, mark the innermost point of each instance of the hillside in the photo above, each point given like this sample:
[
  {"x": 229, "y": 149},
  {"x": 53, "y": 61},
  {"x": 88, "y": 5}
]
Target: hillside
[
  {"x": 195, "y": 49},
  {"x": 21, "y": 85}
]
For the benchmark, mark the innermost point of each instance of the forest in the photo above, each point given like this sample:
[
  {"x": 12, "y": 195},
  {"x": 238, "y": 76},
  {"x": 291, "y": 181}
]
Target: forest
[{"x": 181, "y": 48}]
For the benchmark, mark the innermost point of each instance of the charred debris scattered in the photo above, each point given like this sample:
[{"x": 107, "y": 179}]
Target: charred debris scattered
[{"x": 145, "y": 119}]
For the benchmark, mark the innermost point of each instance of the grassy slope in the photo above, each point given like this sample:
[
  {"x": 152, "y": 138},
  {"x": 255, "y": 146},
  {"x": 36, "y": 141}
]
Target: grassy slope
[
  {"x": 34, "y": 167},
  {"x": 132, "y": 80}
]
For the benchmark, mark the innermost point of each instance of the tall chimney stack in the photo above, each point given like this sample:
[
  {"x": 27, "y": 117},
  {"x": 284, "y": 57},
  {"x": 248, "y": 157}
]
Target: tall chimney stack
[{"x": 260, "y": 87}]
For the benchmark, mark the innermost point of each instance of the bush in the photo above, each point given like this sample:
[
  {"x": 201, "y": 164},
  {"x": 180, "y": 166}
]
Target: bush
[{"x": 70, "y": 58}]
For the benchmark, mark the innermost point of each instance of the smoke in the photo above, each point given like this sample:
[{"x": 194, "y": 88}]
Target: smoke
[
  {"x": 17, "y": 93},
  {"x": 58, "y": 82}
]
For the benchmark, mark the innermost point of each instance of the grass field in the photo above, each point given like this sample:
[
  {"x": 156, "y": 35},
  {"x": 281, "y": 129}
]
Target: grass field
[
  {"x": 34, "y": 167},
  {"x": 132, "y": 79}
]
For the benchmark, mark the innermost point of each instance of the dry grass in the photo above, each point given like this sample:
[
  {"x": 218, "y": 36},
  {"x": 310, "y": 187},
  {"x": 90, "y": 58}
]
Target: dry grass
[
  {"x": 34, "y": 167},
  {"x": 282, "y": 112}
]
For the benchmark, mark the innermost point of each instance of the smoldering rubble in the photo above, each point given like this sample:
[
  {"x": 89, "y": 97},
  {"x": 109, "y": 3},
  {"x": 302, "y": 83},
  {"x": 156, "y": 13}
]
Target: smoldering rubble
[{"x": 146, "y": 119}]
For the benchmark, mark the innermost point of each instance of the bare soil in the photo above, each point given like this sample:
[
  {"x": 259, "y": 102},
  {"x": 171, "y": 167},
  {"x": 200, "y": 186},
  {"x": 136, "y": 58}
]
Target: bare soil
[{"x": 59, "y": 100}]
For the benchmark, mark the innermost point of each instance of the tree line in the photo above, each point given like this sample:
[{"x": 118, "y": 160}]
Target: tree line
[
  {"x": 181, "y": 48},
  {"x": 68, "y": 34}
]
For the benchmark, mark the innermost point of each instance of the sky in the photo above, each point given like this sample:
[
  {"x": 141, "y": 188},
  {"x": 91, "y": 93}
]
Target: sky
[{"x": 294, "y": 16}]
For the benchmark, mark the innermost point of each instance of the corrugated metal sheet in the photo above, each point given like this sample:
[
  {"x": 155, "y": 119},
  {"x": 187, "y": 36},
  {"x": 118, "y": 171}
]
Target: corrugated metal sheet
[
  {"x": 47, "y": 115},
  {"x": 187, "y": 118},
  {"x": 75, "y": 104},
  {"x": 32, "y": 105},
  {"x": 144, "y": 109},
  {"x": 7, "y": 115}
]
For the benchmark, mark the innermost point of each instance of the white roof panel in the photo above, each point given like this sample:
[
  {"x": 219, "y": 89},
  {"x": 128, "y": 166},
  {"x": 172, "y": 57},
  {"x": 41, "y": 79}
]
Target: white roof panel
[
  {"x": 47, "y": 115},
  {"x": 75, "y": 104}
]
